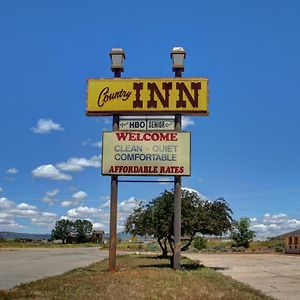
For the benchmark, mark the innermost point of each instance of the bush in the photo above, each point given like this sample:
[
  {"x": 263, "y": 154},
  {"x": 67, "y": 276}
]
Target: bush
[
  {"x": 238, "y": 249},
  {"x": 200, "y": 243},
  {"x": 220, "y": 248},
  {"x": 152, "y": 247},
  {"x": 279, "y": 247}
]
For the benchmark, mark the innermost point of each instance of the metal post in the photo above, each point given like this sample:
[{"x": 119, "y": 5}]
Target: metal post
[
  {"x": 113, "y": 203},
  {"x": 177, "y": 202}
]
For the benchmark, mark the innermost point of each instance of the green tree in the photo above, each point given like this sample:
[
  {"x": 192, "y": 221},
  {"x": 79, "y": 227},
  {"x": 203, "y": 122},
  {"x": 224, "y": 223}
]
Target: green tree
[
  {"x": 62, "y": 230},
  {"x": 198, "y": 215},
  {"x": 83, "y": 230},
  {"x": 242, "y": 235}
]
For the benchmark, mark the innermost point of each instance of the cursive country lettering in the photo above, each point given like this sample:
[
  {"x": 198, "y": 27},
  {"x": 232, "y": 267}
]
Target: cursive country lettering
[{"x": 105, "y": 96}]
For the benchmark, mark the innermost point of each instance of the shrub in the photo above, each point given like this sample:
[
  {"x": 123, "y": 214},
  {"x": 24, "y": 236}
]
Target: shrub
[
  {"x": 279, "y": 247},
  {"x": 238, "y": 249},
  {"x": 152, "y": 247},
  {"x": 200, "y": 243},
  {"x": 220, "y": 248}
]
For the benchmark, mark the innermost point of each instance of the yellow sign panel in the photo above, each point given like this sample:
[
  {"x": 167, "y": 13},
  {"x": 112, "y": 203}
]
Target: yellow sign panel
[
  {"x": 146, "y": 153},
  {"x": 147, "y": 96}
]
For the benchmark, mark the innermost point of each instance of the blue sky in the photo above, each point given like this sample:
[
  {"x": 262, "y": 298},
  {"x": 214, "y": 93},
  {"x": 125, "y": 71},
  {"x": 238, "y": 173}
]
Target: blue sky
[{"x": 246, "y": 151}]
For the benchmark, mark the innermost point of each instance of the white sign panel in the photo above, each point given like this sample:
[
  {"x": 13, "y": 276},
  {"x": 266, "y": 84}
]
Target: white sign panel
[
  {"x": 146, "y": 153},
  {"x": 147, "y": 125}
]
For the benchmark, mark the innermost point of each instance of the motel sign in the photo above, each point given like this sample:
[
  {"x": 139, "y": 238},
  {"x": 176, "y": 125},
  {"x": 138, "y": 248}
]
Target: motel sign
[
  {"x": 142, "y": 147},
  {"x": 147, "y": 96},
  {"x": 146, "y": 153}
]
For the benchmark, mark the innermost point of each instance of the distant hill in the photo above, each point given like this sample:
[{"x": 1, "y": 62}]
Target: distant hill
[
  {"x": 123, "y": 236},
  {"x": 20, "y": 235}
]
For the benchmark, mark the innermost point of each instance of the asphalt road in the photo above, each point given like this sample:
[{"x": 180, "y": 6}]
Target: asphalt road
[
  {"x": 275, "y": 275},
  {"x": 24, "y": 265}
]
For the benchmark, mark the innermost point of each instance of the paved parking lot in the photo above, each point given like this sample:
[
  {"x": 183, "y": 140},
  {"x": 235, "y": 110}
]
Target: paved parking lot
[
  {"x": 275, "y": 275},
  {"x": 24, "y": 265}
]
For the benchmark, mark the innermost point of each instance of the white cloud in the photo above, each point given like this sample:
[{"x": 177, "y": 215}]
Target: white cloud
[
  {"x": 80, "y": 195},
  {"x": 50, "y": 196},
  {"x": 69, "y": 167},
  {"x": 77, "y": 198},
  {"x": 128, "y": 206},
  {"x": 3, "y": 215},
  {"x": 195, "y": 191},
  {"x": 273, "y": 225},
  {"x": 49, "y": 215},
  {"x": 22, "y": 209},
  {"x": 47, "y": 125},
  {"x": 98, "y": 226},
  {"x": 7, "y": 223},
  {"x": 24, "y": 212},
  {"x": 97, "y": 144},
  {"x": 5, "y": 203},
  {"x": 51, "y": 172},
  {"x": 12, "y": 171},
  {"x": 186, "y": 121},
  {"x": 48, "y": 200},
  {"x": 83, "y": 211},
  {"x": 66, "y": 218},
  {"x": 106, "y": 204},
  {"x": 75, "y": 164},
  {"x": 10, "y": 211},
  {"x": 44, "y": 219},
  {"x": 86, "y": 142},
  {"x": 100, "y": 217},
  {"x": 26, "y": 206},
  {"x": 89, "y": 142},
  {"x": 52, "y": 193},
  {"x": 66, "y": 203},
  {"x": 274, "y": 219}
]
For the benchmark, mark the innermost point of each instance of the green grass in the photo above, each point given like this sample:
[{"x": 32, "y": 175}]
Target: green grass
[{"x": 137, "y": 277}]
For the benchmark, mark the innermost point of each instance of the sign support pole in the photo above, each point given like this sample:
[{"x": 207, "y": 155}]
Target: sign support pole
[
  {"x": 177, "y": 202},
  {"x": 114, "y": 203}
]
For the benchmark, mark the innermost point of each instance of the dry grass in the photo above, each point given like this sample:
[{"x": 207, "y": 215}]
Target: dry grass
[{"x": 137, "y": 277}]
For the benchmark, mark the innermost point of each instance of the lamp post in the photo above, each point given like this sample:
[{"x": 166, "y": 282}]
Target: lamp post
[
  {"x": 117, "y": 56},
  {"x": 178, "y": 55}
]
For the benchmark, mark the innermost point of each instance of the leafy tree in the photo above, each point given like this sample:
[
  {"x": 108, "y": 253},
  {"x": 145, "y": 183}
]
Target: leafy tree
[
  {"x": 198, "y": 215},
  {"x": 67, "y": 231},
  {"x": 242, "y": 235},
  {"x": 83, "y": 230},
  {"x": 62, "y": 230}
]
